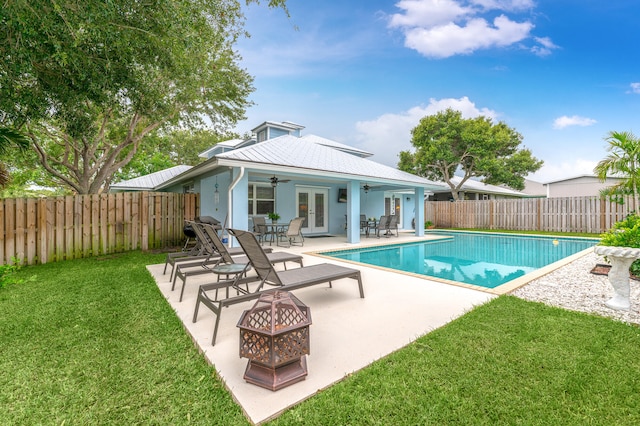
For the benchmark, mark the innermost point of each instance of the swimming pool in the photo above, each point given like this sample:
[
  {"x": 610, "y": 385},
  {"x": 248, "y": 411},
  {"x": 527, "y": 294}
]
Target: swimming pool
[{"x": 480, "y": 259}]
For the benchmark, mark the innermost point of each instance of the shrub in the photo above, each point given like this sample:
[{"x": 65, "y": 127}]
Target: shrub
[
  {"x": 7, "y": 272},
  {"x": 625, "y": 233}
]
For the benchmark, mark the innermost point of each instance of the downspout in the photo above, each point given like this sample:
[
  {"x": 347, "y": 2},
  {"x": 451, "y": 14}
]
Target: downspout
[{"x": 230, "y": 197}]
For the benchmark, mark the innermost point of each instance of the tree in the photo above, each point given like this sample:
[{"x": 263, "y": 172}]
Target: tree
[
  {"x": 623, "y": 161},
  {"x": 164, "y": 150},
  {"x": 8, "y": 138},
  {"x": 87, "y": 81},
  {"x": 446, "y": 143}
]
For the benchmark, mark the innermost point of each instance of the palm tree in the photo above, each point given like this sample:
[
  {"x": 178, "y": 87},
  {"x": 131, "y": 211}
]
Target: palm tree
[
  {"x": 624, "y": 161},
  {"x": 9, "y": 137}
]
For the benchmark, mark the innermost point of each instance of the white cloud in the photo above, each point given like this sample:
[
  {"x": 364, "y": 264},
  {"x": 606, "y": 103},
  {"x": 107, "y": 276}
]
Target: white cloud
[
  {"x": 552, "y": 171},
  {"x": 428, "y": 13},
  {"x": 443, "y": 28},
  {"x": 635, "y": 88},
  {"x": 505, "y": 4},
  {"x": 450, "y": 39},
  {"x": 574, "y": 120},
  {"x": 545, "y": 48},
  {"x": 388, "y": 134}
]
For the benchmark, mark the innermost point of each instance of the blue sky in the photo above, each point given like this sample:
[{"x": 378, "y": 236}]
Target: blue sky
[{"x": 563, "y": 73}]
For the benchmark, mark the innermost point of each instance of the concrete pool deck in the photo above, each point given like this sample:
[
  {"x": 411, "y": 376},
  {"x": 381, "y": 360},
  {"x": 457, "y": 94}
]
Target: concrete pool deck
[{"x": 348, "y": 333}]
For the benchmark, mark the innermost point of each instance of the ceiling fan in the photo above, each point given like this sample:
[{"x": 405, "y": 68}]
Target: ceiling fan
[{"x": 275, "y": 181}]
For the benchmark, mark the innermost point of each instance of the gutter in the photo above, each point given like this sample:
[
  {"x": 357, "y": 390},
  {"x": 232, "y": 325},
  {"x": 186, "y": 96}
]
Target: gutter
[{"x": 230, "y": 197}]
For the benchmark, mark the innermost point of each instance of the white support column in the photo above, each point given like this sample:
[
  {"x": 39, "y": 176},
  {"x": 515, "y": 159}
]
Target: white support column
[
  {"x": 353, "y": 212},
  {"x": 419, "y": 211}
]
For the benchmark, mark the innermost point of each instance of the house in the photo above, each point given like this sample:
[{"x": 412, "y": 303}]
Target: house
[
  {"x": 280, "y": 170},
  {"x": 534, "y": 189},
  {"x": 476, "y": 190},
  {"x": 579, "y": 186}
]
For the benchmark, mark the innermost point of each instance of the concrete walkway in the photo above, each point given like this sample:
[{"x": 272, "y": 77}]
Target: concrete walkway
[{"x": 347, "y": 333}]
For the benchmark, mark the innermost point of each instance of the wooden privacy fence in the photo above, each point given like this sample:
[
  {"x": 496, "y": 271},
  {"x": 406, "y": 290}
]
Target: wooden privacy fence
[
  {"x": 568, "y": 214},
  {"x": 45, "y": 230}
]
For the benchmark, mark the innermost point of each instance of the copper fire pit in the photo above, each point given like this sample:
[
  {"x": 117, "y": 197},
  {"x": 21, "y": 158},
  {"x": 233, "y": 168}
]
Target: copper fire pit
[{"x": 274, "y": 336}]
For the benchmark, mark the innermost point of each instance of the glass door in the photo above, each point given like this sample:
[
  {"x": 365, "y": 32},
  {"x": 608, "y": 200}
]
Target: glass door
[
  {"x": 392, "y": 206},
  {"x": 313, "y": 207}
]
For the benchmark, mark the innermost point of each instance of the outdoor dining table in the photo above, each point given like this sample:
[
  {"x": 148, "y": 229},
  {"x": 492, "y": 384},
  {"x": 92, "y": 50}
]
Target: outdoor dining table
[{"x": 273, "y": 228}]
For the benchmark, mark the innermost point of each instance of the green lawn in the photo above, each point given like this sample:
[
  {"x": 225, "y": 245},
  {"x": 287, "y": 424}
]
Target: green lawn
[{"x": 93, "y": 341}]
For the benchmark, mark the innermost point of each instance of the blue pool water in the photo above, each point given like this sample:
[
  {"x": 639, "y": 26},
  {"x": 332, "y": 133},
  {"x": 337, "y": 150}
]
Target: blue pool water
[{"x": 486, "y": 260}]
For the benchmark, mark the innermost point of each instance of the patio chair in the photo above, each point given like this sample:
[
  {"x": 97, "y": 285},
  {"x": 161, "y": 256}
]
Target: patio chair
[
  {"x": 288, "y": 280},
  {"x": 260, "y": 228},
  {"x": 364, "y": 223},
  {"x": 379, "y": 225},
  {"x": 392, "y": 224},
  {"x": 293, "y": 233},
  {"x": 224, "y": 256}
]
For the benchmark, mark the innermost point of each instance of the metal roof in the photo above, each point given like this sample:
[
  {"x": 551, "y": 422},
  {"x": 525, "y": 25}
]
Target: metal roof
[
  {"x": 150, "y": 181},
  {"x": 477, "y": 186},
  {"x": 308, "y": 155},
  {"x": 337, "y": 145}
]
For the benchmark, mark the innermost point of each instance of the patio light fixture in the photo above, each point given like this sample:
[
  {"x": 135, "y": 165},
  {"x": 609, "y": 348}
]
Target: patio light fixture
[{"x": 216, "y": 193}]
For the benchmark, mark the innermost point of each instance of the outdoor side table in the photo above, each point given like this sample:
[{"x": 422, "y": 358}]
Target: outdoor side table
[{"x": 230, "y": 270}]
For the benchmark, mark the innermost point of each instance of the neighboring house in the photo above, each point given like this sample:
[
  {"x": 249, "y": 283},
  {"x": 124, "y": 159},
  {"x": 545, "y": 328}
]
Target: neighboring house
[
  {"x": 279, "y": 170},
  {"x": 534, "y": 189},
  {"x": 579, "y": 186},
  {"x": 475, "y": 190}
]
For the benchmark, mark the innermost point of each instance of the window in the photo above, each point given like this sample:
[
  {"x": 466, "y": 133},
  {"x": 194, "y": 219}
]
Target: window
[
  {"x": 188, "y": 188},
  {"x": 262, "y": 199}
]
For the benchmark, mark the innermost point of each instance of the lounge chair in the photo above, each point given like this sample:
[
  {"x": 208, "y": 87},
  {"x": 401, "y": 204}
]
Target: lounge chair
[
  {"x": 224, "y": 256},
  {"x": 293, "y": 233},
  {"x": 288, "y": 280},
  {"x": 196, "y": 253}
]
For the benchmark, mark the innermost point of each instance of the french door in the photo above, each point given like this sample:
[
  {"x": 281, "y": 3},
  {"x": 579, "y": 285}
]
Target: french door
[
  {"x": 393, "y": 206},
  {"x": 312, "y": 205}
]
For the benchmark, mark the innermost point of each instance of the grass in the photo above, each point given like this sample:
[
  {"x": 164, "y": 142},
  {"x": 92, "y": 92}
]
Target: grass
[
  {"x": 93, "y": 341},
  {"x": 507, "y": 362}
]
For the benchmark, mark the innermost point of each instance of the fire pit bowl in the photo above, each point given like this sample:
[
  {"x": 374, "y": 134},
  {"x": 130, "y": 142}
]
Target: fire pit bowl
[{"x": 274, "y": 336}]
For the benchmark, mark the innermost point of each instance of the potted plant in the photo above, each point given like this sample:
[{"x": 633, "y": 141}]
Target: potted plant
[
  {"x": 621, "y": 247},
  {"x": 429, "y": 225},
  {"x": 273, "y": 216}
]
